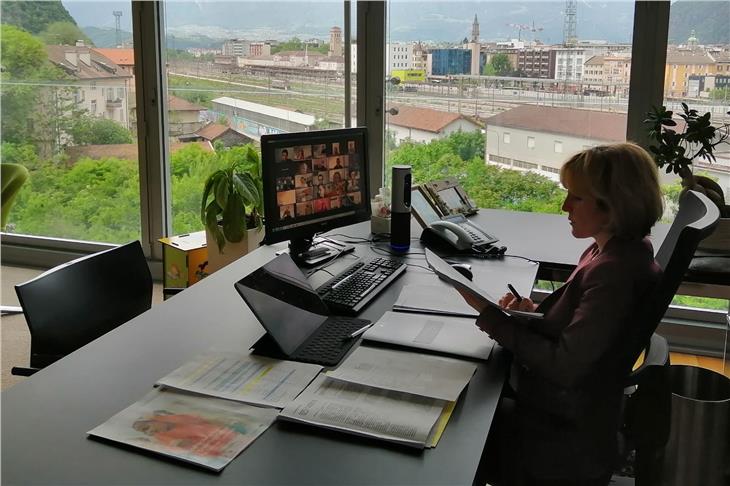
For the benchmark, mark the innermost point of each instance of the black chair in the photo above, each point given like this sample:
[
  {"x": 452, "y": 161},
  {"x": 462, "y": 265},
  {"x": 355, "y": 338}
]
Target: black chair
[
  {"x": 646, "y": 419},
  {"x": 71, "y": 305}
]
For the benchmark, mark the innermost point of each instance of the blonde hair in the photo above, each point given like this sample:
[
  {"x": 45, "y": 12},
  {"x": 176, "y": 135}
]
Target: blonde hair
[{"x": 624, "y": 180}]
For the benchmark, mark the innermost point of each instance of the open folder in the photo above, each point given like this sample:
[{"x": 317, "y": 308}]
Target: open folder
[{"x": 446, "y": 272}]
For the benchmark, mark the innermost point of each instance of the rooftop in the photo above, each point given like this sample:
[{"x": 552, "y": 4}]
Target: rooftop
[
  {"x": 597, "y": 125},
  {"x": 83, "y": 62},
  {"x": 120, "y": 56},
  {"x": 280, "y": 113},
  {"x": 178, "y": 104},
  {"x": 424, "y": 119}
]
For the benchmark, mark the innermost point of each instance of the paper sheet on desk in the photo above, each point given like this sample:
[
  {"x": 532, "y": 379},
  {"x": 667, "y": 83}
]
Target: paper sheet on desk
[
  {"x": 243, "y": 377},
  {"x": 373, "y": 412},
  {"x": 433, "y": 299},
  {"x": 404, "y": 371},
  {"x": 445, "y": 271},
  {"x": 446, "y": 334}
]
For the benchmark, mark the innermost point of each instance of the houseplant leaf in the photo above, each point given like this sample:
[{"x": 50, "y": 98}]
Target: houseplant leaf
[{"x": 234, "y": 218}]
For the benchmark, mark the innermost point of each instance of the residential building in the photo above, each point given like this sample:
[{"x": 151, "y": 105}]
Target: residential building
[
  {"x": 400, "y": 56},
  {"x": 236, "y": 47},
  {"x": 536, "y": 62},
  {"x": 425, "y": 124},
  {"x": 184, "y": 116},
  {"x": 541, "y": 138},
  {"x": 101, "y": 87},
  {"x": 258, "y": 49},
  {"x": 215, "y": 132},
  {"x": 680, "y": 65}
]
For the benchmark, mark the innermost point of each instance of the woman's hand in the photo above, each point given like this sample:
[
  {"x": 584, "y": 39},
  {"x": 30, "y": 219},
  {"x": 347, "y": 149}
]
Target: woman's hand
[{"x": 509, "y": 301}]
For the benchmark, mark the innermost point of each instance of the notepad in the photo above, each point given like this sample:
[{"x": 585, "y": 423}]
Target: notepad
[{"x": 433, "y": 299}]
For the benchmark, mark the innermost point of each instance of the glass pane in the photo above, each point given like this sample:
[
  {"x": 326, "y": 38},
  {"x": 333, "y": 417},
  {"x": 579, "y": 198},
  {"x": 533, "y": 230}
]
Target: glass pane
[
  {"x": 697, "y": 72},
  {"x": 67, "y": 104},
  {"x": 255, "y": 68},
  {"x": 502, "y": 93}
]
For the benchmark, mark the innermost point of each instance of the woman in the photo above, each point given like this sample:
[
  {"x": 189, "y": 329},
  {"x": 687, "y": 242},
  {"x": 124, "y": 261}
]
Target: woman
[{"x": 568, "y": 368}]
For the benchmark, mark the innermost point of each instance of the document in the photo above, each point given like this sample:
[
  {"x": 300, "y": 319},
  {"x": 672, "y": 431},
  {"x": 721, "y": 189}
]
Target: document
[
  {"x": 445, "y": 271},
  {"x": 243, "y": 377},
  {"x": 446, "y": 334},
  {"x": 368, "y": 411},
  {"x": 433, "y": 299},
  {"x": 404, "y": 371},
  {"x": 205, "y": 431}
]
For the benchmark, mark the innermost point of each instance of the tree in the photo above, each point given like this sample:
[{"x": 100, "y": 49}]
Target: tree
[
  {"x": 64, "y": 33},
  {"x": 501, "y": 65},
  {"x": 87, "y": 130},
  {"x": 34, "y": 17}
]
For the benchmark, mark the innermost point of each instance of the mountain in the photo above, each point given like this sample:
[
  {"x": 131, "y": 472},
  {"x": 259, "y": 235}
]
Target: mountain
[
  {"x": 709, "y": 20},
  {"x": 107, "y": 37},
  {"x": 33, "y": 16}
]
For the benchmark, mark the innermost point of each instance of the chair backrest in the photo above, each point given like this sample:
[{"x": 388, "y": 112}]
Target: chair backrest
[
  {"x": 695, "y": 220},
  {"x": 75, "y": 303},
  {"x": 12, "y": 178}
]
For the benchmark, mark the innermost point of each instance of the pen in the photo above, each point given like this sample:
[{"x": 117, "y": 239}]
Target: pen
[
  {"x": 359, "y": 331},
  {"x": 514, "y": 292}
]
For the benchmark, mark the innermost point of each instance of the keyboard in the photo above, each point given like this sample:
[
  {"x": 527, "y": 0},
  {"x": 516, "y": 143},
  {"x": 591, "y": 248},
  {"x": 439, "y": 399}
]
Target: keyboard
[
  {"x": 349, "y": 292},
  {"x": 329, "y": 344}
]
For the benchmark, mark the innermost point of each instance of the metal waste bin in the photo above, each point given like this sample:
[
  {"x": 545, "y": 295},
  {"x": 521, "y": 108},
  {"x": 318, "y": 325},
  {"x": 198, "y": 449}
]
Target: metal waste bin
[{"x": 698, "y": 451}]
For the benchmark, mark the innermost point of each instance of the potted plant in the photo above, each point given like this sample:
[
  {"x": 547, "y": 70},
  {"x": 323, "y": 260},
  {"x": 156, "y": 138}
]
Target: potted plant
[
  {"x": 232, "y": 207},
  {"x": 676, "y": 149}
]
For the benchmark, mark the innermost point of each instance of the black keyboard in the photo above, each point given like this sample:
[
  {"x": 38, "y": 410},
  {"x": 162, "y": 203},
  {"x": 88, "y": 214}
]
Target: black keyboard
[
  {"x": 354, "y": 288},
  {"x": 329, "y": 344}
]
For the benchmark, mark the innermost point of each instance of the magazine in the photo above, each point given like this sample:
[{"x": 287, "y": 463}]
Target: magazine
[{"x": 206, "y": 431}]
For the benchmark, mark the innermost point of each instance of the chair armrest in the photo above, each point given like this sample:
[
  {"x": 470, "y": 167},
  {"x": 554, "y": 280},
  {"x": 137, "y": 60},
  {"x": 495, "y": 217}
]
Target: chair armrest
[{"x": 657, "y": 354}]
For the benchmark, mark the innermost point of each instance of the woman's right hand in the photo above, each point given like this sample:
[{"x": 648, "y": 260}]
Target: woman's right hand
[{"x": 509, "y": 301}]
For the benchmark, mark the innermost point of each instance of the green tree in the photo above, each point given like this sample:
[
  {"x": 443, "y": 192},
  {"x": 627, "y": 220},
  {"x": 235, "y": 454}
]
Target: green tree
[
  {"x": 88, "y": 130},
  {"x": 720, "y": 94},
  {"x": 501, "y": 65},
  {"x": 64, "y": 33},
  {"x": 34, "y": 16}
]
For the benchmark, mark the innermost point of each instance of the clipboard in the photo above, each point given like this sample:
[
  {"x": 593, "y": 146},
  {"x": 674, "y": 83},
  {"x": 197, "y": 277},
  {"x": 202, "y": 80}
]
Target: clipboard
[{"x": 456, "y": 279}]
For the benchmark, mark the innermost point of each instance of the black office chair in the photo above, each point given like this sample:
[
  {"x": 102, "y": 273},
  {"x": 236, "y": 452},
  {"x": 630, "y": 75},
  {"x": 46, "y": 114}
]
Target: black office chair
[
  {"x": 646, "y": 419},
  {"x": 71, "y": 305}
]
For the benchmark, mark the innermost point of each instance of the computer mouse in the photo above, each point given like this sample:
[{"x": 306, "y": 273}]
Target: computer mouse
[{"x": 464, "y": 269}]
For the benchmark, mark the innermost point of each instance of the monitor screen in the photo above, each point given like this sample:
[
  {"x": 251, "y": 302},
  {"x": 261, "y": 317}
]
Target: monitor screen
[{"x": 314, "y": 182}]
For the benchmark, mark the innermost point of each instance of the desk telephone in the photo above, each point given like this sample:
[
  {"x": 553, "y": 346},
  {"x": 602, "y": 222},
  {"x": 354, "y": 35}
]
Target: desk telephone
[{"x": 455, "y": 229}]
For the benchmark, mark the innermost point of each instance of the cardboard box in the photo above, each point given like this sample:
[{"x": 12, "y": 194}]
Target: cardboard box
[{"x": 184, "y": 259}]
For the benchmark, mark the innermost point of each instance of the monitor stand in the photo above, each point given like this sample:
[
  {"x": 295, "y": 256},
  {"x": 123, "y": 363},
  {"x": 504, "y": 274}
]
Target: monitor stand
[{"x": 313, "y": 251}]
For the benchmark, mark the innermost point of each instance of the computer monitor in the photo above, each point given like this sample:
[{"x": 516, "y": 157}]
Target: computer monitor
[{"x": 313, "y": 182}]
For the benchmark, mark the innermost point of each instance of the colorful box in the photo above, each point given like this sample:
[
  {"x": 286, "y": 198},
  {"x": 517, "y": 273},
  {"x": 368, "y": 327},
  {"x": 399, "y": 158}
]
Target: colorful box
[{"x": 184, "y": 259}]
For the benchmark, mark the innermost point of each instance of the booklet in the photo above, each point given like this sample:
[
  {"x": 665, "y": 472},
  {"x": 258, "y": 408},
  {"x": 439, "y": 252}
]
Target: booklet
[
  {"x": 397, "y": 396},
  {"x": 205, "y": 431},
  {"x": 433, "y": 299},
  {"x": 445, "y": 271},
  {"x": 245, "y": 378}
]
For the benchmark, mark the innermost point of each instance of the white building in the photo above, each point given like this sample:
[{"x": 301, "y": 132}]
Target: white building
[
  {"x": 101, "y": 87},
  {"x": 400, "y": 56},
  {"x": 236, "y": 47},
  {"x": 425, "y": 125}
]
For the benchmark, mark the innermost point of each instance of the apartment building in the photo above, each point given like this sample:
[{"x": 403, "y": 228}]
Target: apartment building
[
  {"x": 101, "y": 87},
  {"x": 236, "y": 47},
  {"x": 536, "y": 62},
  {"x": 400, "y": 56},
  {"x": 681, "y": 64}
]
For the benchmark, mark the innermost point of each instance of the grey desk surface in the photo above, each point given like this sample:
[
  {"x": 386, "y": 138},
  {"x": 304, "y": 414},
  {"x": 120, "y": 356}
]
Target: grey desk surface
[{"x": 45, "y": 418}]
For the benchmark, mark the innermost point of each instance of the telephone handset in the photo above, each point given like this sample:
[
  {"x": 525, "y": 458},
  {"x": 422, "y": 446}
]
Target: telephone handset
[{"x": 460, "y": 233}]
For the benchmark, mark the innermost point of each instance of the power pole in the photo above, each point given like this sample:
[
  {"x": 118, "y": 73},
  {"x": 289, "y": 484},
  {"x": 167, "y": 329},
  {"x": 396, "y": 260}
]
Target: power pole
[{"x": 118, "y": 26}]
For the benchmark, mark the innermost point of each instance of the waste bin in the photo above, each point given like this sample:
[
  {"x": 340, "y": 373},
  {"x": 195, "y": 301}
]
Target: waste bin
[{"x": 698, "y": 451}]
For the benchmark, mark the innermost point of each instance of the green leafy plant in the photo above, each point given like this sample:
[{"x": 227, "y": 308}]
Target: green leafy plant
[
  {"x": 677, "y": 148},
  {"x": 232, "y": 199}
]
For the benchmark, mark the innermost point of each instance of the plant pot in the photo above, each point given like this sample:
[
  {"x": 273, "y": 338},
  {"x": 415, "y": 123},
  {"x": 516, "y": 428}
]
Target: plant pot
[{"x": 232, "y": 251}]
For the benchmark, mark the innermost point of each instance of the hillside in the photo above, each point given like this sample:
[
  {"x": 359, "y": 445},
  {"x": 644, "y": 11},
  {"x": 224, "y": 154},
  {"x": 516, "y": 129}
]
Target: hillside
[
  {"x": 107, "y": 37},
  {"x": 34, "y": 16},
  {"x": 709, "y": 20}
]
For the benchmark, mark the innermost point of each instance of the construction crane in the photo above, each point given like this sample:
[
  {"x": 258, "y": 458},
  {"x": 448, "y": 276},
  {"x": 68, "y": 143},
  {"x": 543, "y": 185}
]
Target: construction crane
[
  {"x": 520, "y": 28},
  {"x": 118, "y": 26}
]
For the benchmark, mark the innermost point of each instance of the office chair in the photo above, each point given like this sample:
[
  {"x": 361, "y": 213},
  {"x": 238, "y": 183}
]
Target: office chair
[
  {"x": 646, "y": 418},
  {"x": 71, "y": 305}
]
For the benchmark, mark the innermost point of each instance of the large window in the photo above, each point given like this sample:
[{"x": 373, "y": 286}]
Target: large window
[
  {"x": 258, "y": 76},
  {"x": 67, "y": 116}
]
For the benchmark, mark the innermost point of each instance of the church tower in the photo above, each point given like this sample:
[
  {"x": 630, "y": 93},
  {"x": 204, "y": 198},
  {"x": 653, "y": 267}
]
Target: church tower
[{"x": 475, "y": 47}]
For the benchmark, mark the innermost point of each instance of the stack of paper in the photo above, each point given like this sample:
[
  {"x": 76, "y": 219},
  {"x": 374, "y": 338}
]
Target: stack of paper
[
  {"x": 445, "y": 334},
  {"x": 204, "y": 431},
  {"x": 392, "y": 395}
]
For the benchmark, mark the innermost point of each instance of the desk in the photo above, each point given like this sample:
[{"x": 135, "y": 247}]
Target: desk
[{"x": 45, "y": 418}]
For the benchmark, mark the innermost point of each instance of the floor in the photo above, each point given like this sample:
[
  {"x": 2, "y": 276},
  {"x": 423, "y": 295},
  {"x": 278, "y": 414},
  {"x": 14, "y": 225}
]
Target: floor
[{"x": 15, "y": 338}]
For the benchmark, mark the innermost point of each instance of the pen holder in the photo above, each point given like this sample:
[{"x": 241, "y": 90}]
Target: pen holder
[{"x": 379, "y": 225}]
